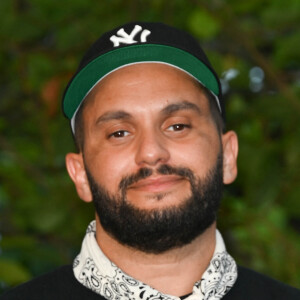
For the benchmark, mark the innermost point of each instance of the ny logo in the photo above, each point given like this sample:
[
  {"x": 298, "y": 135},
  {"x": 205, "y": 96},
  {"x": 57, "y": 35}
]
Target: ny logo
[{"x": 126, "y": 38}]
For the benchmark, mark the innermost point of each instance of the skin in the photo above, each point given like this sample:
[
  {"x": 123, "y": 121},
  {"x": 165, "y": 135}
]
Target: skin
[{"x": 145, "y": 115}]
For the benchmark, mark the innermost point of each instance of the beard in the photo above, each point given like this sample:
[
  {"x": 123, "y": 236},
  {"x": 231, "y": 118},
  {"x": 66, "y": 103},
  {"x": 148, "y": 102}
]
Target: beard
[{"x": 159, "y": 230}]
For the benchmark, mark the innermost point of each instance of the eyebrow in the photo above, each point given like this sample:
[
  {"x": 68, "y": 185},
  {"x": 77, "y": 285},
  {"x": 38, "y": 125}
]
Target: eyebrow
[
  {"x": 168, "y": 110},
  {"x": 184, "y": 105},
  {"x": 113, "y": 115}
]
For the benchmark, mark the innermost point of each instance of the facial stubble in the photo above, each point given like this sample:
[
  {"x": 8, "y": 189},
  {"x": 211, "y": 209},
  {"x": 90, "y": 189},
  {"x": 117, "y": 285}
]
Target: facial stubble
[{"x": 158, "y": 230}]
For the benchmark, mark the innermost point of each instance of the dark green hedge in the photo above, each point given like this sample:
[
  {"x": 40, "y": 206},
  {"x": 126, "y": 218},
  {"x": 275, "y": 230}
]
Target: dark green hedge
[{"x": 42, "y": 220}]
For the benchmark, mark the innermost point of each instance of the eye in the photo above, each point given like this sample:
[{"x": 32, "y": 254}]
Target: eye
[
  {"x": 119, "y": 134},
  {"x": 178, "y": 127}
]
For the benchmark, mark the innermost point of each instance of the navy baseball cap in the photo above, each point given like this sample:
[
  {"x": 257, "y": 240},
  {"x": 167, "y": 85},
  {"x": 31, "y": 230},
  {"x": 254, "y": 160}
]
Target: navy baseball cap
[{"x": 139, "y": 42}]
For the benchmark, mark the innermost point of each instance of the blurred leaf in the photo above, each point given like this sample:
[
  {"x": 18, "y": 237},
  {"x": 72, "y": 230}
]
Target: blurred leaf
[
  {"x": 13, "y": 273},
  {"x": 203, "y": 25},
  {"x": 50, "y": 95},
  {"x": 286, "y": 54}
]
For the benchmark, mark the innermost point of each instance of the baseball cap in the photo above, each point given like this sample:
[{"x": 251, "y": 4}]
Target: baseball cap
[{"x": 139, "y": 42}]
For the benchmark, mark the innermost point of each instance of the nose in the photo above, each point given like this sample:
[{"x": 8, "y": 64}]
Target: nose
[{"x": 151, "y": 150}]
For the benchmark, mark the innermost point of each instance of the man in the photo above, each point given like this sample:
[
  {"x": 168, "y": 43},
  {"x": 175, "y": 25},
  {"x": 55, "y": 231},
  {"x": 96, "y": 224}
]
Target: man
[{"x": 147, "y": 116}]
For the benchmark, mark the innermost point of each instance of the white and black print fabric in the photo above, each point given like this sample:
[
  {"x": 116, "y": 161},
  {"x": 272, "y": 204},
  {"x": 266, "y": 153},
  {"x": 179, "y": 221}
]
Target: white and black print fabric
[{"x": 95, "y": 271}]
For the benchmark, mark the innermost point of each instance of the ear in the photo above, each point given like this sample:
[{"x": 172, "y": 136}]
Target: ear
[
  {"x": 76, "y": 170},
  {"x": 230, "y": 153}
]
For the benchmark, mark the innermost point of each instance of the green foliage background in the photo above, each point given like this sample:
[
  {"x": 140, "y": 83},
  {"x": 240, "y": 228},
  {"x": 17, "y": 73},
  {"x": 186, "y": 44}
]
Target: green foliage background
[{"x": 42, "y": 221}]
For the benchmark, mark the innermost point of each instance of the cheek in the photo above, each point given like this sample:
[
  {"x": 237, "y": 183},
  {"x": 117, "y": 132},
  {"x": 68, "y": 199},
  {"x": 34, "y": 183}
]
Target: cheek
[
  {"x": 199, "y": 155},
  {"x": 109, "y": 167}
]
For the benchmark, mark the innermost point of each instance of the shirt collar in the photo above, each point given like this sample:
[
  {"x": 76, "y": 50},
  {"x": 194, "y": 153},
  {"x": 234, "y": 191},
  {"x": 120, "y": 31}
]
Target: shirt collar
[{"x": 96, "y": 272}]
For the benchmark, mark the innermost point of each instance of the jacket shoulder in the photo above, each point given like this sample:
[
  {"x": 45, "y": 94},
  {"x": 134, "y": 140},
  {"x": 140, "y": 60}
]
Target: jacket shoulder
[
  {"x": 59, "y": 284},
  {"x": 251, "y": 285}
]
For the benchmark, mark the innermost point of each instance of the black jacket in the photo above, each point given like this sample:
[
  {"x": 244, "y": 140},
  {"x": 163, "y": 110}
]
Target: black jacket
[{"x": 62, "y": 285}]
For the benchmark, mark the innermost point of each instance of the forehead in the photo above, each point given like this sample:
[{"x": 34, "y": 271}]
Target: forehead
[{"x": 145, "y": 85}]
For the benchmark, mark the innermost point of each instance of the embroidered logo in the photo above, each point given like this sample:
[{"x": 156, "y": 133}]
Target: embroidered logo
[{"x": 125, "y": 38}]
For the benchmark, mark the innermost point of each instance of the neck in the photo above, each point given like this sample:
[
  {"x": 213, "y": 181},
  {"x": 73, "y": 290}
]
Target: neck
[{"x": 173, "y": 272}]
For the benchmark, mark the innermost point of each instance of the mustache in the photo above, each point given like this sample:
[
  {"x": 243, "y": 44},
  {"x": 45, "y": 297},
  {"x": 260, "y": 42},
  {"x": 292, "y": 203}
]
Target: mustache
[{"x": 144, "y": 173}]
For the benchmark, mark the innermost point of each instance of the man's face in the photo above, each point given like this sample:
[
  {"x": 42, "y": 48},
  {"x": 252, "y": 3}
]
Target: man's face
[{"x": 143, "y": 119}]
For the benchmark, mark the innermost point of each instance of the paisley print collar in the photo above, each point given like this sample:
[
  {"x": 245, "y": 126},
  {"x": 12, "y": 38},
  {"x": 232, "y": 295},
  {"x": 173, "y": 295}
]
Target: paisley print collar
[{"x": 96, "y": 272}]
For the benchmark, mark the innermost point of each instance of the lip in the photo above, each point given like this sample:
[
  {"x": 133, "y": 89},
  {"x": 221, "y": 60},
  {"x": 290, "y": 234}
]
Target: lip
[{"x": 156, "y": 184}]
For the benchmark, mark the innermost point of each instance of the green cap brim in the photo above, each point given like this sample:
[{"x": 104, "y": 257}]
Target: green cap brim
[{"x": 104, "y": 64}]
